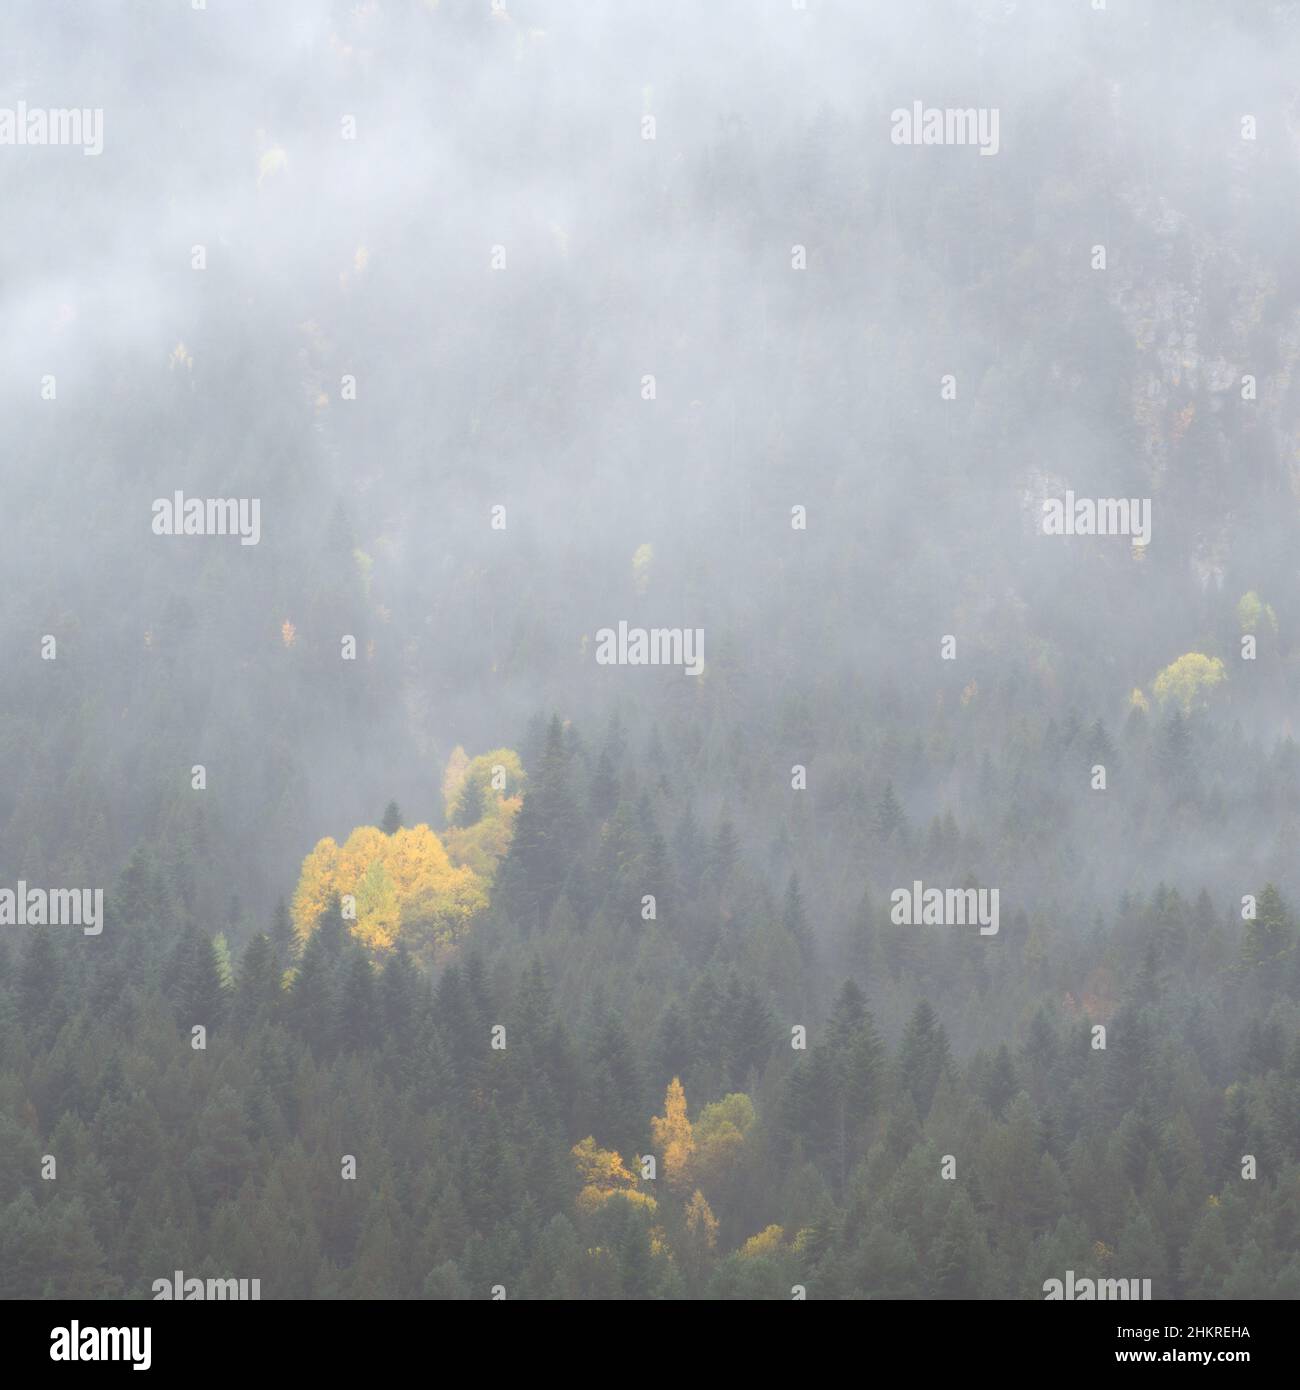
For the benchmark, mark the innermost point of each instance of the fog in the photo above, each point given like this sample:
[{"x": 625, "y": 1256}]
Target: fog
[
  {"x": 521, "y": 387},
  {"x": 523, "y": 320}
]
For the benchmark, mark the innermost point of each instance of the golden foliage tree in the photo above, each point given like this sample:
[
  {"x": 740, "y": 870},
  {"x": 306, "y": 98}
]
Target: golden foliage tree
[
  {"x": 481, "y": 797},
  {"x": 766, "y": 1242},
  {"x": 413, "y": 886},
  {"x": 604, "y": 1175},
  {"x": 701, "y": 1224},
  {"x": 453, "y": 776},
  {"x": 405, "y": 886},
  {"x": 1188, "y": 680},
  {"x": 498, "y": 776},
  {"x": 673, "y": 1136}
]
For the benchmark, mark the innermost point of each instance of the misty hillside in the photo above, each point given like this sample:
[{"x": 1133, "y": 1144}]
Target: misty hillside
[{"x": 530, "y": 327}]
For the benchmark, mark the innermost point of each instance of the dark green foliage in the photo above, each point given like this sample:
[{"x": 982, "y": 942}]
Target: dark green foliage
[{"x": 173, "y": 1156}]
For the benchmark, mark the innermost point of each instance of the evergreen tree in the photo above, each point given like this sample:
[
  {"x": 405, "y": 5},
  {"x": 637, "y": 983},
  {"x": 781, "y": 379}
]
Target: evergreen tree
[
  {"x": 471, "y": 805},
  {"x": 890, "y": 822},
  {"x": 604, "y": 787},
  {"x": 257, "y": 987},
  {"x": 923, "y": 1057},
  {"x": 1002, "y": 1084}
]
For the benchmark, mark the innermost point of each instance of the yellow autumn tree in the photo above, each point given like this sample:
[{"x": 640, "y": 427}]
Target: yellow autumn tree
[
  {"x": 315, "y": 880},
  {"x": 413, "y": 886},
  {"x": 498, "y": 775},
  {"x": 642, "y": 563},
  {"x": 405, "y": 886},
  {"x": 483, "y": 846},
  {"x": 1188, "y": 680},
  {"x": 673, "y": 1137},
  {"x": 379, "y": 914},
  {"x": 481, "y": 798},
  {"x": 1254, "y": 614},
  {"x": 804, "y": 1240},
  {"x": 701, "y": 1224},
  {"x": 452, "y": 777},
  {"x": 766, "y": 1242},
  {"x": 603, "y": 1176}
]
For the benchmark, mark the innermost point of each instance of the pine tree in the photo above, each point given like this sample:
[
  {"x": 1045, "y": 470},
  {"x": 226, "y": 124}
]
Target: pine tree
[
  {"x": 257, "y": 988},
  {"x": 1002, "y": 1084},
  {"x": 357, "y": 1013},
  {"x": 472, "y": 803},
  {"x": 923, "y": 1056},
  {"x": 201, "y": 996},
  {"x": 724, "y": 850},
  {"x": 689, "y": 850},
  {"x": 1176, "y": 758},
  {"x": 604, "y": 787},
  {"x": 1098, "y": 747},
  {"x": 40, "y": 1002},
  {"x": 752, "y": 1034},
  {"x": 314, "y": 999},
  {"x": 960, "y": 1256},
  {"x": 283, "y": 939},
  {"x": 673, "y": 1053},
  {"x": 1234, "y": 1134},
  {"x": 1267, "y": 939},
  {"x": 617, "y": 1096},
  {"x": 400, "y": 990},
  {"x": 890, "y": 821},
  {"x": 1208, "y": 1258},
  {"x": 544, "y": 842}
]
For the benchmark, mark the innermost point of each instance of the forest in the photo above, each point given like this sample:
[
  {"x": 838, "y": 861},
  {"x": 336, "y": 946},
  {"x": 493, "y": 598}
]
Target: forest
[
  {"x": 776, "y": 1166},
  {"x": 733, "y": 734}
]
